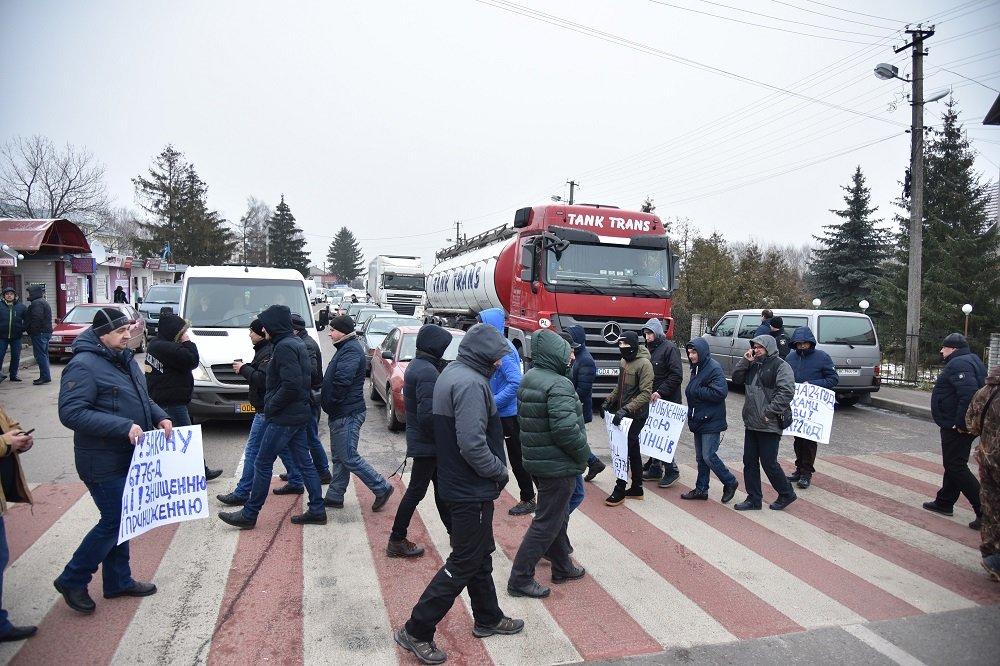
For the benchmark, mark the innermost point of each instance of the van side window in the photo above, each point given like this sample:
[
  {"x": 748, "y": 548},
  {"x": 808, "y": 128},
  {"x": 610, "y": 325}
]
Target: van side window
[
  {"x": 726, "y": 327},
  {"x": 792, "y": 323},
  {"x": 840, "y": 330},
  {"x": 749, "y": 326}
]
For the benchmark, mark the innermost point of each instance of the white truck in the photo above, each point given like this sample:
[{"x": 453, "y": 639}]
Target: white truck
[{"x": 397, "y": 282}]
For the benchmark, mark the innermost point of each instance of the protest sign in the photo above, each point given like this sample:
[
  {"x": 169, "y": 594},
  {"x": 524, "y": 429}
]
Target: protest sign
[
  {"x": 659, "y": 437},
  {"x": 166, "y": 482},
  {"x": 812, "y": 413},
  {"x": 618, "y": 442}
]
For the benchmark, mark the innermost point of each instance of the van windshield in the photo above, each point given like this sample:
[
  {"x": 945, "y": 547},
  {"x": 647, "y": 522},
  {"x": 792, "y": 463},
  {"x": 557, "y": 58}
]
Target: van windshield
[
  {"x": 228, "y": 303},
  {"x": 840, "y": 330}
]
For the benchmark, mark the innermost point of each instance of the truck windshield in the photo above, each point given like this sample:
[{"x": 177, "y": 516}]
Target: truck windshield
[
  {"x": 404, "y": 282},
  {"x": 610, "y": 266},
  {"x": 227, "y": 303},
  {"x": 163, "y": 294}
]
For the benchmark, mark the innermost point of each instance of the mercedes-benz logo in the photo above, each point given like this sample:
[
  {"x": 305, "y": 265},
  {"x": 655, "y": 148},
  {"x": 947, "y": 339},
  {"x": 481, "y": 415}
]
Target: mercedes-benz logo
[{"x": 611, "y": 332}]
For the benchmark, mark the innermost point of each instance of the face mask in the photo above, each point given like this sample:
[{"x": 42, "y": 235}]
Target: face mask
[{"x": 628, "y": 353}]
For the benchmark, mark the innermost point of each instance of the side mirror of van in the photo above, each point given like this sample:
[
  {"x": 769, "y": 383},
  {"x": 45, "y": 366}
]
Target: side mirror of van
[
  {"x": 324, "y": 319},
  {"x": 709, "y": 331}
]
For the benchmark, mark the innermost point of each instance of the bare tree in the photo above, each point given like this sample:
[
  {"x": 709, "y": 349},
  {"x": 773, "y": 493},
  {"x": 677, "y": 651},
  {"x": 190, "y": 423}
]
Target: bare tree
[
  {"x": 251, "y": 233},
  {"x": 39, "y": 180},
  {"x": 121, "y": 231}
]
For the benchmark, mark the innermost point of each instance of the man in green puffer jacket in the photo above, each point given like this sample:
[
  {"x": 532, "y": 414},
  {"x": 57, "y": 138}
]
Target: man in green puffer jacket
[{"x": 555, "y": 451}]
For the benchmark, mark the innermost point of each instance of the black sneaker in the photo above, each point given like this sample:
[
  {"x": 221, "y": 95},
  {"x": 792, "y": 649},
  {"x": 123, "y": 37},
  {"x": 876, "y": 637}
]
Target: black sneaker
[
  {"x": 695, "y": 494},
  {"x": 237, "y": 519},
  {"x": 783, "y": 501},
  {"x": 506, "y": 627},
  {"x": 288, "y": 489},
  {"x": 794, "y": 477},
  {"x": 382, "y": 499},
  {"x": 532, "y": 590},
  {"x": 39, "y": 382},
  {"x": 747, "y": 505},
  {"x": 15, "y": 634},
  {"x": 729, "y": 492},
  {"x": 333, "y": 504},
  {"x": 575, "y": 574},
  {"x": 670, "y": 476},
  {"x": 307, "y": 518},
  {"x": 594, "y": 470},
  {"x": 617, "y": 497},
  {"x": 804, "y": 481},
  {"x": 634, "y": 493},
  {"x": 937, "y": 508},
  {"x": 426, "y": 651},
  {"x": 212, "y": 473},
  {"x": 231, "y": 499},
  {"x": 15, "y": 379},
  {"x": 653, "y": 473},
  {"x": 523, "y": 508},
  {"x": 403, "y": 548}
]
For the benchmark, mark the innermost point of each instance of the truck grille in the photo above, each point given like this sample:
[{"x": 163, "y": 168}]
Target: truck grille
[
  {"x": 224, "y": 374},
  {"x": 406, "y": 305},
  {"x": 605, "y": 352}
]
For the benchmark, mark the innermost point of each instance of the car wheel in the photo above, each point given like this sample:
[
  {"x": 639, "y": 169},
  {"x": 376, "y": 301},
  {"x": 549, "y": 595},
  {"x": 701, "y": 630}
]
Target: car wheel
[
  {"x": 374, "y": 394},
  {"x": 390, "y": 412}
]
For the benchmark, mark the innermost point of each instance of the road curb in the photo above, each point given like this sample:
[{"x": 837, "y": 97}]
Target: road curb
[{"x": 909, "y": 409}]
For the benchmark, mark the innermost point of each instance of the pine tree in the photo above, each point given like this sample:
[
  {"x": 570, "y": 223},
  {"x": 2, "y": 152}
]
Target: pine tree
[
  {"x": 847, "y": 266},
  {"x": 648, "y": 206},
  {"x": 344, "y": 257},
  {"x": 285, "y": 242},
  {"x": 160, "y": 195}
]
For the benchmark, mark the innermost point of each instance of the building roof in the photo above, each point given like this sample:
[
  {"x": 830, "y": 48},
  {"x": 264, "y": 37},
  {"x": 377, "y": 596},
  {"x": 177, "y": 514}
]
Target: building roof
[
  {"x": 993, "y": 115},
  {"x": 43, "y": 235}
]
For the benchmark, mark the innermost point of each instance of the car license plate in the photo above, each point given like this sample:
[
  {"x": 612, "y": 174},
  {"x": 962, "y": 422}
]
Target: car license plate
[
  {"x": 608, "y": 372},
  {"x": 245, "y": 408},
  {"x": 849, "y": 372}
]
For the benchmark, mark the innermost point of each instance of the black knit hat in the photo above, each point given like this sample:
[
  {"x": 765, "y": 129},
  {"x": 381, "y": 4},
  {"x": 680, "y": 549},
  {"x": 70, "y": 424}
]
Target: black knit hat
[
  {"x": 10, "y": 289},
  {"x": 343, "y": 323},
  {"x": 777, "y": 322},
  {"x": 955, "y": 341},
  {"x": 257, "y": 327},
  {"x": 298, "y": 323},
  {"x": 109, "y": 319},
  {"x": 630, "y": 338}
]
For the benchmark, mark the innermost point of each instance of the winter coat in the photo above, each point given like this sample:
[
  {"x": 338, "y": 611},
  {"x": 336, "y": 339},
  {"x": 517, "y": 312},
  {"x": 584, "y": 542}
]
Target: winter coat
[
  {"x": 813, "y": 366},
  {"x": 770, "y": 387},
  {"x": 553, "y": 434},
  {"x": 634, "y": 387},
  {"x": 507, "y": 377},
  {"x": 781, "y": 341},
  {"x": 468, "y": 434},
  {"x": 584, "y": 372},
  {"x": 667, "y": 370},
  {"x": 286, "y": 389},
  {"x": 11, "y": 320},
  {"x": 418, "y": 390},
  {"x": 316, "y": 361},
  {"x": 983, "y": 419},
  {"x": 120, "y": 296},
  {"x": 38, "y": 316},
  {"x": 255, "y": 372},
  {"x": 344, "y": 382},
  {"x": 102, "y": 394},
  {"x": 962, "y": 376},
  {"x": 169, "y": 363},
  {"x": 763, "y": 329},
  {"x": 706, "y": 392},
  {"x": 13, "y": 486}
]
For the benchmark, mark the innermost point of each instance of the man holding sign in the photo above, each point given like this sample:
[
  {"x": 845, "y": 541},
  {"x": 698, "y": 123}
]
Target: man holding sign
[
  {"x": 810, "y": 366},
  {"x": 104, "y": 401}
]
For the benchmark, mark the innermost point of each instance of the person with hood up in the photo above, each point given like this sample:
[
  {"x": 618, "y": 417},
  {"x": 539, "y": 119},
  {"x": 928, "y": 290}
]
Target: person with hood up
[
  {"x": 287, "y": 412},
  {"x": 13, "y": 488},
  {"x": 765, "y": 323},
  {"x": 472, "y": 473},
  {"x": 767, "y": 411},
  {"x": 554, "y": 442},
  {"x": 169, "y": 360},
  {"x": 706, "y": 398},
  {"x": 103, "y": 399},
  {"x": 630, "y": 398},
  {"x": 119, "y": 296},
  {"x": 667, "y": 377},
  {"x": 418, "y": 394},
  {"x": 777, "y": 326},
  {"x": 583, "y": 375},
  {"x": 983, "y": 419},
  {"x": 810, "y": 366},
  {"x": 963, "y": 374},
  {"x": 505, "y": 382},
  {"x": 11, "y": 330},
  {"x": 38, "y": 326}
]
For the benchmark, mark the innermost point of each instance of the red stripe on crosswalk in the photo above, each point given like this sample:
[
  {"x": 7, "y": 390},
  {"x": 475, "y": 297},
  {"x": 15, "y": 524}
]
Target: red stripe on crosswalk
[
  {"x": 26, "y": 523},
  {"x": 854, "y": 592},
  {"x": 889, "y": 476},
  {"x": 260, "y": 620},
  {"x": 915, "y": 461},
  {"x": 403, "y": 580},
  {"x": 66, "y": 636},
  {"x": 741, "y": 612}
]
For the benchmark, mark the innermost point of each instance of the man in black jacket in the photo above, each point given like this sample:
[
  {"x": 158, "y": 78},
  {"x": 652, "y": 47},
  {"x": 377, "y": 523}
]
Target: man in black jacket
[
  {"x": 668, "y": 373},
  {"x": 472, "y": 471},
  {"x": 11, "y": 330},
  {"x": 418, "y": 393},
  {"x": 38, "y": 326},
  {"x": 583, "y": 374},
  {"x": 963, "y": 374},
  {"x": 287, "y": 410},
  {"x": 777, "y": 326}
]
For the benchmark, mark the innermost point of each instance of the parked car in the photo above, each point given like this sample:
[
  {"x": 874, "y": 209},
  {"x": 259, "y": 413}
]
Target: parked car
[
  {"x": 355, "y": 308},
  {"x": 157, "y": 297},
  {"x": 389, "y": 364},
  {"x": 367, "y": 314},
  {"x": 78, "y": 320},
  {"x": 848, "y": 337},
  {"x": 376, "y": 328}
]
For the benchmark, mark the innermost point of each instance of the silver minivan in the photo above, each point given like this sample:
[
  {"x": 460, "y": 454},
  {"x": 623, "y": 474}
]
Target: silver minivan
[{"x": 848, "y": 337}]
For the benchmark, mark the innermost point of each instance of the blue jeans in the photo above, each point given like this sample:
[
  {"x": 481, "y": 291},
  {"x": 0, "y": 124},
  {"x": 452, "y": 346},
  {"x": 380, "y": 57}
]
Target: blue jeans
[
  {"x": 100, "y": 547},
  {"x": 250, "y": 455},
  {"x": 316, "y": 450},
  {"x": 15, "y": 354},
  {"x": 576, "y": 499},
  {"x": 40, "y": 346},
  {"x": 275, "y": 439},
  {"x": 706, "y": 447},
  {"x": 178, "y": 415},
  {"x": 5, "y": 624},
  {"x": 344, "y": 458}
]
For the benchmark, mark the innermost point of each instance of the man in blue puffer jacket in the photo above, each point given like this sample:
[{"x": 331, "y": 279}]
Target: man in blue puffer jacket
[
  {"x": 706, "y": 398},
  {"x": 504, "y": 384},
  {"x": 811, "y": 366}
]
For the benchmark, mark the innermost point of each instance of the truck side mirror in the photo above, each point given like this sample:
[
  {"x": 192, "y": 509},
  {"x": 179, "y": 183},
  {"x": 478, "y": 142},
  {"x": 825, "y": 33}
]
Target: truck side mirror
[{"x": 675, "y": 272}]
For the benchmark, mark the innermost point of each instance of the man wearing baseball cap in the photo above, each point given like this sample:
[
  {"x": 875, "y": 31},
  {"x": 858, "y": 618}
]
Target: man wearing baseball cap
[{"x": 11, "y": 330}]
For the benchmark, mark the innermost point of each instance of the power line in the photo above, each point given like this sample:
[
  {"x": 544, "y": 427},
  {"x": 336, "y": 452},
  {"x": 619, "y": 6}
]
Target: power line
[
  {"x": 838, "y": 18},
  {"x": 970, "y": 79},
  {"x": 849, "y": 11},
  {"x": 427, "y": 233},
  {"x": 971, "y": 11}
]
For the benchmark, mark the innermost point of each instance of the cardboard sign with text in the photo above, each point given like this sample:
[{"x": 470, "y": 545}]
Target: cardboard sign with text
[{"x": 812, "y": 413}]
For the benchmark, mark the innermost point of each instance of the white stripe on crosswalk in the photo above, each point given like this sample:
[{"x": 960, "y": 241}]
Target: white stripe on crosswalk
[
  {"x": 881, "y": 645},
  {"x": 933, "y": 478}
]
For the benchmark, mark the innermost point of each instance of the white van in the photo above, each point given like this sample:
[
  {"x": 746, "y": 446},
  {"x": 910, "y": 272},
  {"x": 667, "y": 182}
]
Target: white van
[
  {"x": 220, "y": 302},
  {"x": 848, "y": 337}
]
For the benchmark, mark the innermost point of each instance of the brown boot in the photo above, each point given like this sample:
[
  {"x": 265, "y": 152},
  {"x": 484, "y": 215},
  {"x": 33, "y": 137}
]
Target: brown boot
[{"x": 403, "y": 548}]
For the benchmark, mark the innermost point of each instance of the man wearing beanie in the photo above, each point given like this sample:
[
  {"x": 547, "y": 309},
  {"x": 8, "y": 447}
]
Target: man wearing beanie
[
  {"x": 777, "y": 326},
  {"x": 170, "y": 358},
  {"x": 343, "y": 399},
  {"x": 963, "y": 374},
  {"x": 11, "y": 330}
]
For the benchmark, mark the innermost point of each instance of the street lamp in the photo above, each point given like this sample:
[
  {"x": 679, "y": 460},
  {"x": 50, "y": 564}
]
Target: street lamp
[
  {"x": 864, "y": 305},
  {"x": 967, "y": 309},
  {"x": 817, "y": 302}
]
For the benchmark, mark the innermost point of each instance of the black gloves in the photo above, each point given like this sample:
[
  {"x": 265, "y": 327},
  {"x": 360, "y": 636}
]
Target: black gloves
[
  {"x": 619, "y": 415},
  {"x": 502, "y": 481},
  {"x": 604, "y": 409}
]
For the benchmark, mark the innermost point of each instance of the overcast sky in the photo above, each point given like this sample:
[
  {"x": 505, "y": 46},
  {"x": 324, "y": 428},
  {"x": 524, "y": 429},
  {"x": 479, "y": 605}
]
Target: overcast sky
[{"x": 397, "y": 118}]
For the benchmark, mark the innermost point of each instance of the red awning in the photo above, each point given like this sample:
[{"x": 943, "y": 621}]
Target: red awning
[{"x": 43, "y": 235}]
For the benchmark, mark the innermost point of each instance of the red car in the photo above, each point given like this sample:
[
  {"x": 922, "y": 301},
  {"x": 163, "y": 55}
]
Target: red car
[
  {"x": 79, "y": 319},
  {"x": 389, "y": 363}
]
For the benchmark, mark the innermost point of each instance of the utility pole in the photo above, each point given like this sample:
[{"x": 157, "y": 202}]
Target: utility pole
[
  {"x": 572, "y": 187},
  {"x": 913, "y": 283}
]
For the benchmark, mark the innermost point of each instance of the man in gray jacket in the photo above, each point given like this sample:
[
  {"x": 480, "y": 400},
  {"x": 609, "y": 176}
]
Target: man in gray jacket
[{"x": 770, "y": 387}]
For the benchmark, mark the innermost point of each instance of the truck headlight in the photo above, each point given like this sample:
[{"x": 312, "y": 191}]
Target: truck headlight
[{"x": 200, "y": 373}]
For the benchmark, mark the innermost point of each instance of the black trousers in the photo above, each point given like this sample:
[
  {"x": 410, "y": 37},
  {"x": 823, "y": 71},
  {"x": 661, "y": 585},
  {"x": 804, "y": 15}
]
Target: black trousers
[
  {"x": 423, "y": 472},
  {"x": 547, "y": 533},
  {"x": 634, "y": 456},
  {"x": 470, "y": 566},
  {"x": 805, "y": 456},
  {"x": 958, "y": 478},
  {"x": 512, "y": 438},
  {"x": 760, "y": 449}
]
